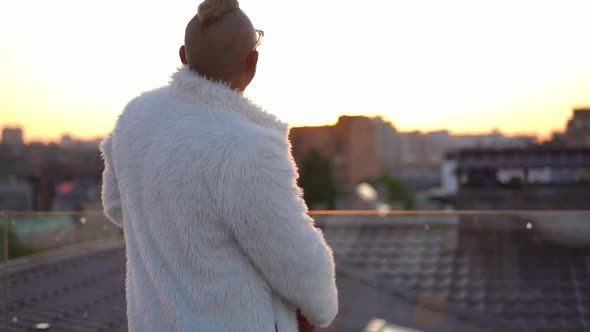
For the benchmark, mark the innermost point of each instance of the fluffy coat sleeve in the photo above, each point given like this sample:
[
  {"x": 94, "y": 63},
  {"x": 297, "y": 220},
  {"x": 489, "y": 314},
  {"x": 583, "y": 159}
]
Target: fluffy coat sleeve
[
  {"x": 268, "y": 218},
  {"x": 111, "y": 200}
]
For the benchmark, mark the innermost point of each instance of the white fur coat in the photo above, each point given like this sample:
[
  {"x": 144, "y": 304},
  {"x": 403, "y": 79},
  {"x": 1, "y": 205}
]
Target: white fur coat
[{"x": 218, "y": 237}]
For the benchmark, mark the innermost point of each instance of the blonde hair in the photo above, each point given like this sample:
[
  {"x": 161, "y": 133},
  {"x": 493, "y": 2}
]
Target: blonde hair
[{"x": 212, "y": 10}]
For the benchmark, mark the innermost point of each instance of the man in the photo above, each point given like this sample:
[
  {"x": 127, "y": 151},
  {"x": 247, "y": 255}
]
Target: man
[{"x": 203, "y": 183}]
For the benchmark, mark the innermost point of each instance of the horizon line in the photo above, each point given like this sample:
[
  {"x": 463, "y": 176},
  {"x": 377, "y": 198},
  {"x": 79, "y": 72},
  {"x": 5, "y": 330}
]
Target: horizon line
[{"x": 539, "y": 137}]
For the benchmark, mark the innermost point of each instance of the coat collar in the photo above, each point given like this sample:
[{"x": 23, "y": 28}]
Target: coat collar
[{"x": 190, "y": 84}]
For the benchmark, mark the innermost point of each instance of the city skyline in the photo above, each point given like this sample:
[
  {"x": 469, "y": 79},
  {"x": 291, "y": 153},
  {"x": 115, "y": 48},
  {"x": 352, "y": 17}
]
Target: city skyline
[
  {"x": 69, "y": 135},
  {"x": 467, "y": 67}
]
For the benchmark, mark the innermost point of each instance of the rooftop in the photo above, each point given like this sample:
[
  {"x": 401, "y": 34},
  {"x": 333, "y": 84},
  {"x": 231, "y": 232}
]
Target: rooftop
[{"x": 426, "y": 272}]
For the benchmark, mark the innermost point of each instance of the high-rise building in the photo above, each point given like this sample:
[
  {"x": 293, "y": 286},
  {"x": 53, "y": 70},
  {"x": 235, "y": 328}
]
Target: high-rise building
[
  {"x": 413, "y": 148},
  {"x": 578, "y": 128},
  {"x": 437, "y": 144},
  {"x": 388, "y": 144},
  {"x": 12, "y": 136},
  {"x": 350, "y": 144}
]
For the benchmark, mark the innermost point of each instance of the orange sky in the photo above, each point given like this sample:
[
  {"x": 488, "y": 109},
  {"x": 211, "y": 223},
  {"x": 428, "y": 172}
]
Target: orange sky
[{"x": 520, "y": 66}]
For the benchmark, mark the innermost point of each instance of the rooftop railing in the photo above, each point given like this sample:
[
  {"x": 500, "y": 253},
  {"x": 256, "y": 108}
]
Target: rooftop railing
[{"x": 396, "y": 271}]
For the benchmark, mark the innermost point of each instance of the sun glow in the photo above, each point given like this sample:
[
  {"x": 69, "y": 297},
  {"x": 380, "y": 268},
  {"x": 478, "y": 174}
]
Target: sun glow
[{"x": 70, "y": 66}]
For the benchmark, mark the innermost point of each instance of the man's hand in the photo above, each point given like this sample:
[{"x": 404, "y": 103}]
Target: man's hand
[{"x": 304, "y": 325}]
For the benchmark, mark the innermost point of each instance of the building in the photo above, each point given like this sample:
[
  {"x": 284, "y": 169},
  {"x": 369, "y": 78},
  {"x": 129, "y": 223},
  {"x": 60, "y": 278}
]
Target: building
[
  {"x": 12, "y": 136},
  {"x": 357, "y": 146},
  {"x": 578, "y": 128},
  {"x": 15, "y": 196},
  {"x": 351, "y": 145},
  {"x": 425, "y": 149},
  {"x": 420, "y": 149},
  {"x": 388, "y": 145},
  {"x": 67, "y": 141},
  {"x": 437, "y": 143},
  {"x": 540, "y": 178},
  {"x": 413, "y": 148},
  {"x": 70, "y": 143},
  {"x": 494, "y": 139}
]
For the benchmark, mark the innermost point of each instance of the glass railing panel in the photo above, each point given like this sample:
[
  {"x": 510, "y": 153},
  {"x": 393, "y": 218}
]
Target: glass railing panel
[
  {"x": 396, "y": 271},
  {"x": 466, "y": 271},
  {"x": 34, "y": 233},
  {"x": 62, "y": 271},
  {"x": 3, "y": 280}
]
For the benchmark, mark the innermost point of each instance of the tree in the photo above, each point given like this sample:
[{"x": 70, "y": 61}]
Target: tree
[
  {"x": 315, "y": 178},
  {"x": 398, "y": 191}
]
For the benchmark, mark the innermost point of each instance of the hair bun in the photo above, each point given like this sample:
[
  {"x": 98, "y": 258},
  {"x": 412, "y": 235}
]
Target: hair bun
[{"x": 211, "y": 10}]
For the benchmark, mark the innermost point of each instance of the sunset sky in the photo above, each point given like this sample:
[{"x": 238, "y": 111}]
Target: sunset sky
[{"x": 468, "y": 66}]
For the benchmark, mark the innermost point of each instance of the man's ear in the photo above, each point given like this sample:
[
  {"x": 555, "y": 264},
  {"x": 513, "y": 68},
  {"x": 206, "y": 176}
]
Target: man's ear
[
  {"x": 182, "y": 54},
  {"x": 252, "y": 61}
]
